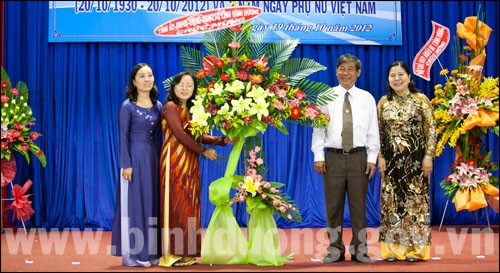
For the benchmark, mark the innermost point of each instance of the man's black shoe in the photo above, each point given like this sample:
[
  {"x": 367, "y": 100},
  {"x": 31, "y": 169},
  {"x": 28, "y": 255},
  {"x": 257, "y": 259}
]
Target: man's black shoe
[
  {"x": 330, "y": 258},
  {"x": 361, "y": 258}
]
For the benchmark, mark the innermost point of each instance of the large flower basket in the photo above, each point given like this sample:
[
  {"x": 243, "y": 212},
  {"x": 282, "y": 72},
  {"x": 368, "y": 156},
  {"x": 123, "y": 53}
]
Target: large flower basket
[{"x": 466, "y": 108}]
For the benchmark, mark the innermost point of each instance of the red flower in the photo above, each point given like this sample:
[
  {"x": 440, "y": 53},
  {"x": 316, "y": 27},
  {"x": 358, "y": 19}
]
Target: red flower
[
  {"x": 4, "y": 84},
  {"x": 212, "y": 108},
  {"x": 295, "y": 112},
  {"x": 225, "y": 77},
  {"x": 220, "y": 63},
  {"x": 472, "y": 163},
  {"x": 227, "y": 124},
  {"x": 21, "y": 204},
  {"x": 39, "y": 153},
  {"x": 250, "y": 63},
  {"x": 256, "y": 79},
  {"x": 283, "y": 84},
  {"x": 14, "y": 91},
  {"x": 34, "y": 135},
  {"x": 19, "y": 127},
  {"x": 235, "y": 28},
  {"x": 449, "y": 177},
  {"x": 261, "y": 64},
  {"x": 212, "y": 83},
  {"x": 300, "y": 94},
  {"x": 25, "y": 147},
  {"x": 242, "y": 75},
  {"x": 5, "y": 99},
  {"x": 268, "y": 120},
  {"x": 209, "y": 64},
  {"x": 248, "y": 120},
  {"x": 201, "y": 74}
]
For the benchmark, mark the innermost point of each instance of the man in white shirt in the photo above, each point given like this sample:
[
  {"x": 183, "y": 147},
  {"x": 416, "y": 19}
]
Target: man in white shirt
[{"x": 347, "y": 170}]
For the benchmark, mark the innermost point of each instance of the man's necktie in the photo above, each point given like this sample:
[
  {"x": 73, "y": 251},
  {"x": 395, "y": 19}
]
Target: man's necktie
[{"x": 347, "y": 125}]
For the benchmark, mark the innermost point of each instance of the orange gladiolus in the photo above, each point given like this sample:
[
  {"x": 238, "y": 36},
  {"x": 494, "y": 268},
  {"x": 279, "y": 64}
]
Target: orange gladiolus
[{"x": 474, "y": 39}]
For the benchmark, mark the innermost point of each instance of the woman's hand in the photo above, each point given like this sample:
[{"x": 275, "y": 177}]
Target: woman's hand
[
  {"x": 227, "y": 140},
  {"x": 427, "y": 166},
  {"x": 381, "y": 166},
  {"x": 210, "y": 153},
  {"x": 127, "y": 174}
]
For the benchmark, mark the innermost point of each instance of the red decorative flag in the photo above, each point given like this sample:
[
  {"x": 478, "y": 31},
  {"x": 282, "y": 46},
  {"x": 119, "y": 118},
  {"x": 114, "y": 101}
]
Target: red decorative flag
[{"x": 436, "y": 44}]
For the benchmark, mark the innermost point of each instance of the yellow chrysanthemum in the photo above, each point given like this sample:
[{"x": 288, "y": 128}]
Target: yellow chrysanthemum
[
  {"x": 436, "y": 100},
  {"x": 443, "y": 72}
]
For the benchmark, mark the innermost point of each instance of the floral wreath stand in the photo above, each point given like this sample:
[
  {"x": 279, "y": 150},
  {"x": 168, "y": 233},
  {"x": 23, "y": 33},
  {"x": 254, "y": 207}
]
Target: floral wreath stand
[
  {"x": 20, "y": 205},
  {"x": 17, "y": 138},
  {"x": 477, "y": 212},
  {"x": 471, "y": 198},
  {"x": 224, "y": 242},
  {"x": 466, "y": 108}
]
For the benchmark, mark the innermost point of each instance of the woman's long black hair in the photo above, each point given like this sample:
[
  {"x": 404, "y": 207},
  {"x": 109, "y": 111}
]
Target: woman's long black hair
[{"x": 131, "y": 90}]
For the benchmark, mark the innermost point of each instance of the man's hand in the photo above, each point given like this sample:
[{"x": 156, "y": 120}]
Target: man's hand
[
  {"x": 370, "y": 169},
  {"x": 320, "y": 167}
]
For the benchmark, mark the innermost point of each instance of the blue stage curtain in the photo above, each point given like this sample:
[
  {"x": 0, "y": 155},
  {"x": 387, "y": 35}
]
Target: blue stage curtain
[{"x": 76, "y": 89}]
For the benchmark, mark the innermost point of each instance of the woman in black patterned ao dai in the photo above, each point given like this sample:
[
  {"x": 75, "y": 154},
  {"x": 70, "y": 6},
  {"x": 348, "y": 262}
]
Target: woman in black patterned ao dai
[{"x": 408, "y": 143}]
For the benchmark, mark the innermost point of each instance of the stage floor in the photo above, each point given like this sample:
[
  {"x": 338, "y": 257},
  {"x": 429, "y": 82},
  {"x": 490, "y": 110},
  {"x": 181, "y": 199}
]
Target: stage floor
[{"x": 454, "y": 249}]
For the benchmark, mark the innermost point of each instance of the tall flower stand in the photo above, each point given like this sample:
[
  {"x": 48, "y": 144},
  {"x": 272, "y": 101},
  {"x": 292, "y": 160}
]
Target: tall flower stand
[
  {"x": 477, "y": 217},
  {"x": 8, "y": 169},
  {"x": 263, "y": 240},
  {"x": 20, "y": 205},
  {"x": 473, "y": 163}
]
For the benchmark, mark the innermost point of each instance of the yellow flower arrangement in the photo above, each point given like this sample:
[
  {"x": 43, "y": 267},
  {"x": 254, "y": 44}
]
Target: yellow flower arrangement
[
  {"x": 463, "y": 104},
  {"x": 465, "y": 108}
]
